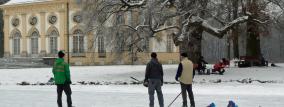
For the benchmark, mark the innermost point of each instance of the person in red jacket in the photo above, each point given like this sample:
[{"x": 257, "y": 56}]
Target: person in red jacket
[
  {"x": 226, "y": 62},
  {"x": 219, "y": 67}
]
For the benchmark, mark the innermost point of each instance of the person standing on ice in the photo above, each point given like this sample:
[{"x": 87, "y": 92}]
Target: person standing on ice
[
  {"x": 154, "y": 78},
  {"x": 185, "y": 76},
  {"x": 62, "y": 79}
]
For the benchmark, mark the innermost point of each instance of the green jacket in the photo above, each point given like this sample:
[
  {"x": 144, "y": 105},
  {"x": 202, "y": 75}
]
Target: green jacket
[{"x": 61, "y": 72}]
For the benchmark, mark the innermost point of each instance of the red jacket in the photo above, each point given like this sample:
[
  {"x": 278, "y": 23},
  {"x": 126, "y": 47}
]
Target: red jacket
[{"x": 219, "y": 66}]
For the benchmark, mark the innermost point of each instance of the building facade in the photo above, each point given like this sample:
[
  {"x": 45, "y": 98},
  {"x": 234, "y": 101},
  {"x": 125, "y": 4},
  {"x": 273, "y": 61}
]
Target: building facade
[{"x": 40, "y": 28}]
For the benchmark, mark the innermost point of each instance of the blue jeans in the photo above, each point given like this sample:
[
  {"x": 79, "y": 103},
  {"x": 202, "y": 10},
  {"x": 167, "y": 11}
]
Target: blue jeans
[{"x": 155, "y": 85}]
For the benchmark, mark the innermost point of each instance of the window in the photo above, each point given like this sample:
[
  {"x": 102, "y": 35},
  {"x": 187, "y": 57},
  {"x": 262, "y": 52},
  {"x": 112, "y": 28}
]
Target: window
[
  {"x": 121, "y": 41},
  {"x": 147, "y": 43},
  {"x": 120, "y": 18},
  {"x": 78, "y": 42},
  {"x": 53, "y": 41},
  {"x": 16, "y": 43},
  {"x": 101, "y": 45},
  {"x": 34, "y": 42},
  {"x": 169, "y": 43}
]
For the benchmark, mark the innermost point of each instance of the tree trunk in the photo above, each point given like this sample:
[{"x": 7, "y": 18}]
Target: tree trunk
[
  {"x": 192, "y": 45},
  {"x": 236, "y": 42},
  {"x": 229, "y": 49},
  {"x": 253, "y": 33},
  {"x": 1, "y": 34},
  {"x": 235, "y": 31},
  {"x": 194, "y": 40},
  {"x": 253, "y": 44}
]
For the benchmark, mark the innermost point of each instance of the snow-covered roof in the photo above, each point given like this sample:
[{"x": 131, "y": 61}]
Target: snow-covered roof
[{"x": 14, "y": 2}]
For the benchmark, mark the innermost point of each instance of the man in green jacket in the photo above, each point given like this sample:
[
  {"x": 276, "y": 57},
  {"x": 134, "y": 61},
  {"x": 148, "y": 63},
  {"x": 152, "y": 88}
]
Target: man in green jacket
[{"x": 62, "y": 79}]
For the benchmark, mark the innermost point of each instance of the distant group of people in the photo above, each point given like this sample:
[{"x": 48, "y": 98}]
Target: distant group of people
[{"x": 217, "y": 68}]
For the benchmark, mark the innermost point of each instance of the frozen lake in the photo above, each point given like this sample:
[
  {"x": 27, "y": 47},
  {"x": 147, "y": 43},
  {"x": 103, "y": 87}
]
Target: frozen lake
[{"x": 207, "y": 89}]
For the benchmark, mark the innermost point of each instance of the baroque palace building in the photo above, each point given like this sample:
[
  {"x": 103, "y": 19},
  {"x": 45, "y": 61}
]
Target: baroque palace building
[{"x": 38, "y": 29}]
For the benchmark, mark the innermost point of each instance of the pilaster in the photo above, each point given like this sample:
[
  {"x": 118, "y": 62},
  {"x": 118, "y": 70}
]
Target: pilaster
[
  {"x": 43, "y": 33},
  {"x": 24, "y": 52},
  {"x": 62, "y": 30},
  {"x": 6, "y": 36}
]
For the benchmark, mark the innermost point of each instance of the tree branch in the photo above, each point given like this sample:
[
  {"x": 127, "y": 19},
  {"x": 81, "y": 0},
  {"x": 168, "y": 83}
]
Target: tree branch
[
  {"x": 137, "y": 27},
  {"x": 220, "y": 32},
  {"x": 166, "y": 28},
  {"x": 133, "y": 3},
  {"x": 260, "y": 22}
]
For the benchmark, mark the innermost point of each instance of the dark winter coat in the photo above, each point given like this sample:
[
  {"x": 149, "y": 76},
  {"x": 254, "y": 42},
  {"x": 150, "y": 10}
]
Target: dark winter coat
[
  {"x": 201, "y": 63},
  {"x": 154, "y": 70}
]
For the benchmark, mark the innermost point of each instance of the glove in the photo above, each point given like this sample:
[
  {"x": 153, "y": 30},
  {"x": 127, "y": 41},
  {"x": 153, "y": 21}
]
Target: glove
[
  {"x": 68, "y": 82},
  {"x": 145, "y": 83},
  {"x": 177, "y": 79}
]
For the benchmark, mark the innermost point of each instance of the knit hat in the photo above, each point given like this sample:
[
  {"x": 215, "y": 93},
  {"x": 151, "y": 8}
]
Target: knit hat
[{"x": 61, "y": 54}]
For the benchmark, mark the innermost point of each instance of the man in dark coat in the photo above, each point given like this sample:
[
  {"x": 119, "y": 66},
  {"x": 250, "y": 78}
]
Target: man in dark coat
[{"x": 154, "y": 77}]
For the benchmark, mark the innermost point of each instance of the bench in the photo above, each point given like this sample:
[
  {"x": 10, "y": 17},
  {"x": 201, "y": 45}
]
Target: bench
[{"x": 248, "y": 61}]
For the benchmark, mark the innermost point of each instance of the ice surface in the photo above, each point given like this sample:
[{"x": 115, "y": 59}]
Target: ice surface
[{"x": 252, "y": 94}]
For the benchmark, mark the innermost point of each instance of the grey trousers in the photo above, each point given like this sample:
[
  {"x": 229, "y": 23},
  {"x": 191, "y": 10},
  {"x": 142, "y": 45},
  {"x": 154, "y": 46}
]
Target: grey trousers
[
  {"x": 155, "y": 85},
  {"x": 188, "y": 88}
]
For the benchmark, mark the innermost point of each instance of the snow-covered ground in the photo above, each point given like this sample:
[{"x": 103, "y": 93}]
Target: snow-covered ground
[{"x": 248, "y": 87}]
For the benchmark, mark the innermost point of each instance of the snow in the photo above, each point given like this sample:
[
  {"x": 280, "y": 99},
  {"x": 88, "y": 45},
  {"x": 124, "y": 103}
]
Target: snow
[
  {"x": 13, "y": 2},
  {"x": 224, "y": 29},
  {"x": 206, "y": 90},
  {"x": 273, "y": 9},
  {"x": 133, "y": 3},
  {"x": 208, "y": 26},
  {"x": 238, "y": 20}
]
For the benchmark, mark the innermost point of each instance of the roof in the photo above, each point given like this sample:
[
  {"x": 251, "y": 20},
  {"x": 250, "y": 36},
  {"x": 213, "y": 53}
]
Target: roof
[{"x": 15, "y": 2}]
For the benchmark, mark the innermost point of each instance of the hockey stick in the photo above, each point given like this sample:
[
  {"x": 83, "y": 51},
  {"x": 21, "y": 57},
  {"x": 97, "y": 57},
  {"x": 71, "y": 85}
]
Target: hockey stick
[
  {"x": 135, "y": 79},
  {"x": 174, "y": 99}
]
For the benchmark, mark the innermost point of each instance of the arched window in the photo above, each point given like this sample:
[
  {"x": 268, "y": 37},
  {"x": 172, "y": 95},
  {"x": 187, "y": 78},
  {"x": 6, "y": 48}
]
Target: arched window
[
  {"x": 53, "y": 41},
  {"x": 169, "y": 43},
  {"x": 34, "y": 42},
  {"x": 16, "y": 43},
  {"x": 147, "y": 45},
  {"x": 101, "y": 44},
  {"x": 78, "y": 42}
]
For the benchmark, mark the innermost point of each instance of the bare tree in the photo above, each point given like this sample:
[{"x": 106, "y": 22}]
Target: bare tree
[
  {"x": 1, "y": 29},
  {"x": 193, "y": 18}
]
